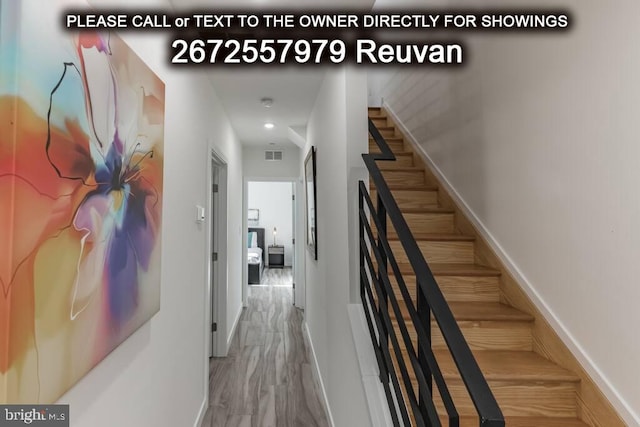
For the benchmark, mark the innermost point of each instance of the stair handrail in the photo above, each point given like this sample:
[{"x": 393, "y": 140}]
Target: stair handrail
[{"x": 481, "y": 395}]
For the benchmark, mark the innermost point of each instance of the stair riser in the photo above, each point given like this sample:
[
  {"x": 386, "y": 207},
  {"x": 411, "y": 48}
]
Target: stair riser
[
  {"x": 521, "y": 422},
  {"x": 395, "y": 146},
  {"x": 403, "y": 177},
  {"x": 401, "y": 161},
  {"x": 461, "y": 288},
  {"x": 413, "y": 199},
  {"x": 428, "y": 223},
  {"x": 380, "y": 122},
  {"x": 515, "y": 398},
  {"x": 470, "y": 289},
  {"x": 490, "y": 335},
  {"x": 432, "y": 223},
  {"x": 438, "y": 252},
  {"x": 520, "y": 398},
  {"x": 485, "y": 335},
  {"x": 388, "y": 133}
]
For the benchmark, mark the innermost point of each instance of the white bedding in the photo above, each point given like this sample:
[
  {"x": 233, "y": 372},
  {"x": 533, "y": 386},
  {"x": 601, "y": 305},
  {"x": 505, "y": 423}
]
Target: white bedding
[{"x": 254, "y": 255}]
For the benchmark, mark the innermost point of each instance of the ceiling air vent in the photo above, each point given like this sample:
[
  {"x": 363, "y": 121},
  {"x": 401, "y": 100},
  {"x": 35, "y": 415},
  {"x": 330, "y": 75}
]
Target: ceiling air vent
[{"x": 273, "y": 155}]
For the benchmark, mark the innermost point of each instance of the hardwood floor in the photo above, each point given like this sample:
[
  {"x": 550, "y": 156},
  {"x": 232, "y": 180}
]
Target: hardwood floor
[
  {"x": 267, "y": 378},
  {"x": 276, "y": 277}
]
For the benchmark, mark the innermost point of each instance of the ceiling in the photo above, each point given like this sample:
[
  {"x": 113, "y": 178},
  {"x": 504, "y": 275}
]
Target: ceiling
[{"x": 293, "y": 89}]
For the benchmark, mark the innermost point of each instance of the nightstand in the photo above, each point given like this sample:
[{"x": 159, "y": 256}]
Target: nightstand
[{"x": 276, "y": 256}]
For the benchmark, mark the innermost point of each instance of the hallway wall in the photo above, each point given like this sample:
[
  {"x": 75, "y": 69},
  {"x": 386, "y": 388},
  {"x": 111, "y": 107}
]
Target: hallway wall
[
  {"x": 337, "y": 127},
  {"x": 255, "y": 166},
  {"x": 538, "y": 135},
  {"x": 158, "y": 376}
]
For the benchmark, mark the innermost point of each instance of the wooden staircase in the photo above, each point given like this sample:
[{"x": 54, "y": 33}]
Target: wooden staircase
[{"x": 532, "y": 391}]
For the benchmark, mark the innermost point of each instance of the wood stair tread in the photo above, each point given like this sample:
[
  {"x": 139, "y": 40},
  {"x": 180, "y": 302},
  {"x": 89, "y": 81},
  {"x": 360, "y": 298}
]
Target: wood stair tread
[
  {"x": 431, "y": 237},
  {"x": 523, "y": 422},
  {"x": 463, "y": 270},
  {"x": 395, "y": 138},
  {"x": 435, "y": 237},
  {"x": 430, "y": 210},
  {"x": 484, "y": 311},
  {"x": 422, "y": 187},
  {"x": 505, "y": 365},
  {"x": 398, "y": 153},
  {"x": 389, "y": 166},
  {"x": 390, "y": 141}
]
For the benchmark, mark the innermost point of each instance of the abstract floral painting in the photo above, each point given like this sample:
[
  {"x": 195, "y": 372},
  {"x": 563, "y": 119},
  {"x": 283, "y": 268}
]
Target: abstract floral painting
[{"x": 81, "y": 163}]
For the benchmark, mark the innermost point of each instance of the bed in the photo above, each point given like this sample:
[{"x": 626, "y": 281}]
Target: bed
[{"x": 255, "y": 255}]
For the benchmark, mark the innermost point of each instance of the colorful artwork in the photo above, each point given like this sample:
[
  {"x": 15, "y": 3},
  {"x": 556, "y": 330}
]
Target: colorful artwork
[{"x": 81, "y": 160}]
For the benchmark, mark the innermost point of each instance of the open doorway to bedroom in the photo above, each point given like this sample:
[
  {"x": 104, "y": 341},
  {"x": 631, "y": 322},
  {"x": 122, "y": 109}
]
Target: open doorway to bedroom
[{"x": 271, "y": 219}]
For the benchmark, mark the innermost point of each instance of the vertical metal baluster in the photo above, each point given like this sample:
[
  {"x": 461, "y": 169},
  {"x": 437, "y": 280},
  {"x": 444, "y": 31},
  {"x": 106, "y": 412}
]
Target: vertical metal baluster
[
  {"x": 382, "y": 234},
  {"x": 424, "y": 315},
  {"x": 361, "y": 236}
]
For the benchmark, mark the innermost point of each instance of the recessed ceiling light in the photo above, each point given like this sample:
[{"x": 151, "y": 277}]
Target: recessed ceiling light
[
  {"x": 269, "y": 125},
  {"x": 266, "y": 102}
]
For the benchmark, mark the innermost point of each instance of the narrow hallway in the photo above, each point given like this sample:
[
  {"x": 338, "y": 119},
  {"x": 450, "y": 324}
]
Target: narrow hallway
[{"x": 267, "y": 378}]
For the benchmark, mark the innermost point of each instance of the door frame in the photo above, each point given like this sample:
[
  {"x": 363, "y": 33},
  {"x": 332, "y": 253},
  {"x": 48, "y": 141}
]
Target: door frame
[
  {"x": 216, "y": 278},
  {"x": 298, "y": 234}
]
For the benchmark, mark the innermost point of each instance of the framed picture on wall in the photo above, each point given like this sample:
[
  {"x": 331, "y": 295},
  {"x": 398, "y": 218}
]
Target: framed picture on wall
[
  {"x": 253, "y": 215},
  {"x": 310, "y": 201}
]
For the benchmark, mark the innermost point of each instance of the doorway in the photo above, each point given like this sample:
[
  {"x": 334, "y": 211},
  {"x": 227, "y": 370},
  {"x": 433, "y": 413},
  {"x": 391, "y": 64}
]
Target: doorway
[
  {"x": 271, "y": 221},
  {"x": 216, "y": 301}
]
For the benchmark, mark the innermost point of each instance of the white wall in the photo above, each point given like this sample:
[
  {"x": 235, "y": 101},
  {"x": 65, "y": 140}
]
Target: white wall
[
  {"x": 538, "y": 134},
  {"x": 255, "y": 166},
  {"x": 274, "y": 200},
  {"x": 335, "y": 119},
  {"x": 159, "y": 375}
]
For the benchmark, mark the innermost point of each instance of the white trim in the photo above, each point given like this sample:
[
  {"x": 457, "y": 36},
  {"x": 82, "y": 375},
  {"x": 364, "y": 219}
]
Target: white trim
[
  {"x": 222, "y": 236},
  {"x": 213, "y": 155},
  {"x": 618, "y": 402},
  {"x": 374, "y": 391},
  {"x": 234, "y": 327},
  {"x": 203, "y": 411},
  {"x": 317, "y": 375}
]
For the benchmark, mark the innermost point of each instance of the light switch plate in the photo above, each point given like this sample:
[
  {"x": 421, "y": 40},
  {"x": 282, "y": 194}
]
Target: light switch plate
[{"x": 200, "y": 214}]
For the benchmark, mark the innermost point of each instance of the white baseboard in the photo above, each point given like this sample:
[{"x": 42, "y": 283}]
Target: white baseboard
[
  {"x": 203, "y": 410},
  {"x": 317, "y": 375},
  {"x": 374, "y": 391},
  {"x": 233, "y": 330},
  {"x": 623, "y": 408}
]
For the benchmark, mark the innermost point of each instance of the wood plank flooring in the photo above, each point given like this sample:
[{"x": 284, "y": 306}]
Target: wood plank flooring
[
  {"x": 276, "y": 277},
  {"x": 266, "y": 379}
]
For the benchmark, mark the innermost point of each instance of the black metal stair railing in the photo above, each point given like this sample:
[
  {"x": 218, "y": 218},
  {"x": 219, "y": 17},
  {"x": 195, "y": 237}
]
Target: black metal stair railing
[{"x": 377, "y": 262}]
